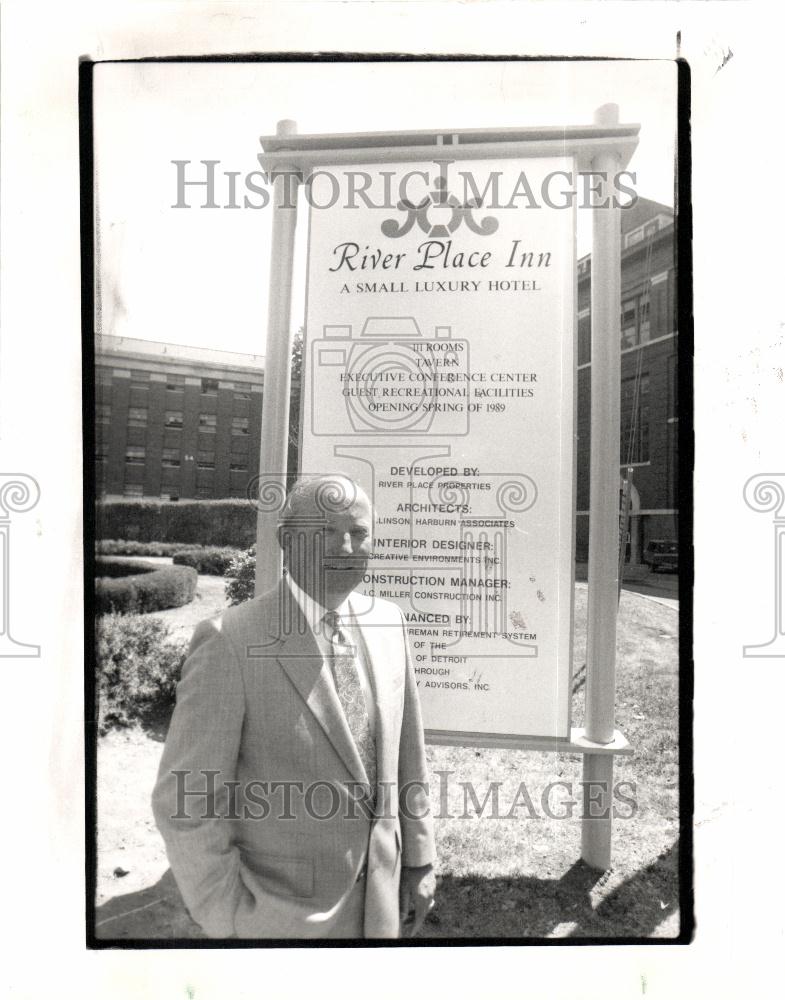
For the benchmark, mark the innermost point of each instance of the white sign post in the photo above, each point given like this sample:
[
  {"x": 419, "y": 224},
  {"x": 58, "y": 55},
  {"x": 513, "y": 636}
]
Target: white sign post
[{"x": 439, "y": 373}]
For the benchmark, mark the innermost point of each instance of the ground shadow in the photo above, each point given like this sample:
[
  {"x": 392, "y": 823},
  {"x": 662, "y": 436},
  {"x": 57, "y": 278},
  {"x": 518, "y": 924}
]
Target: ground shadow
[
  {"x": 467, "y": 907},
  {"x": 529, "y": 907},
  {"x": 154, "y": 721},
  {"x": 156, "y": 913}
]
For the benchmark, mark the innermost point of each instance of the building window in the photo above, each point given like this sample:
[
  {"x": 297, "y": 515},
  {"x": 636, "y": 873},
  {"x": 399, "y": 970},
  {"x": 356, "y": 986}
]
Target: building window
[
  {"x": 239, "y": 425},
  {"x": 628, "y": 323},
  {"x": 239, "y": 466},
  {"x": 584, "y": 340},
  {"x": 644, "y": 324},
  {"x": 635, "y": 321},
  {"x": 673, "y": 389},
  {"x": 133, "y": 490},
  {"x": 634, "y": 445},
  {"x": 242, "y": 390},
  {"x": 204, "y": 492},
  {"x": 673, "y": 464},
  {"x": 170, "y": 457},
  {"x": 137, "y": 416},
  {"x": 208, "y": 422},
  {"x": 647, "y": 230},
  {"x": 205, "y": 460},
  {"x": 175, "y": 383},
  {"x": 103, "y": 375},
  {"x": 139, "y": 377},
  {"x": 173, "y": 419},
  {"x": 633, "y": 237},
  {"x": 135, "y": 456},
  {"x": 103, "y": 413},
  {"x": 209, "y": 386}
]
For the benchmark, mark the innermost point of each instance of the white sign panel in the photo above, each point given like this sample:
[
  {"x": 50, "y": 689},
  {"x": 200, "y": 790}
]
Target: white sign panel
[{"x": 439, "y": 374}]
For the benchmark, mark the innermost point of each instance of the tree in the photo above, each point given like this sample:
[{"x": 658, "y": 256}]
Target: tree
[{"x": 295, "y": 399}]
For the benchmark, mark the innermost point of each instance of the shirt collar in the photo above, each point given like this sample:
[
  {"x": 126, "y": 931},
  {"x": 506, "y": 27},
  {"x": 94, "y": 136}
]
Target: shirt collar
[{"x": 313, "y": 611}]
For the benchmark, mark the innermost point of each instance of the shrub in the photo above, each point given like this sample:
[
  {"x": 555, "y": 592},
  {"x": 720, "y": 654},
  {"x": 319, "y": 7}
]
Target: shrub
[
  {"x": 105, "y": 566},
  {"x": 122, "y": 547},
  {"x": 148, "y": 588},
  {"x": 138, "y": 666},
  {"x": 210, "y": 559},
  {"x": 204, "y": 522},
  {"x": 242, "y": 573}
]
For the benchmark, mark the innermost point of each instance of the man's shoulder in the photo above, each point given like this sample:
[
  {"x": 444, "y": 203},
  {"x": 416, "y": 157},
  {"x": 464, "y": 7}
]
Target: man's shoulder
[{"x": 250, "y": 615}]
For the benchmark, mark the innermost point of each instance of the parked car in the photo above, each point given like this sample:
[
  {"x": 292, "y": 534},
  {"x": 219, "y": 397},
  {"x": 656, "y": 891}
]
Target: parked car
[{"x": 661, "y": 553}]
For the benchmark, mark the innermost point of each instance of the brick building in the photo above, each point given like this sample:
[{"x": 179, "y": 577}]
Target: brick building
[
  {"x": 175, "y": 422},
  {"x": 649, "y": 378}
]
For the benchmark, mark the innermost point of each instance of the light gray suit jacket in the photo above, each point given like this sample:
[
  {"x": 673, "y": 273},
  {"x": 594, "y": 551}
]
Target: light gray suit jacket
[{"x": 256, "y": 706}]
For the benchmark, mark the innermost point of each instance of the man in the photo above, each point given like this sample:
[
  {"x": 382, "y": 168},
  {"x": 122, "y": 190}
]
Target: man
[{"x": 292, "y": 792}]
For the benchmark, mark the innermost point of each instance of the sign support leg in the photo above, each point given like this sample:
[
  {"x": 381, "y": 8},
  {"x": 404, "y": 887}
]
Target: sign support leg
[
  {"x": 604, "y": 504},
  {"x": 277, "y": 375}
]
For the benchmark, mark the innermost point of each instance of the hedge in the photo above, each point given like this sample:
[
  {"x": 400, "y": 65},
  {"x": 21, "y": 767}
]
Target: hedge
[
  {"x": 200, "y": 522},
  {"x": 147, "y": 588},
  {"x": 105, "y": 567},
  {"x": 212, "y": 560},
  {"x": 121, "y": 547},
  {"x": 138, "y": 666}
]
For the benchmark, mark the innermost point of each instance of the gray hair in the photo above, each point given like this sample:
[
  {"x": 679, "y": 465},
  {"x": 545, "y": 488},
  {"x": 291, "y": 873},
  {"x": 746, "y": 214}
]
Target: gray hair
[{"x": 312, "y": 496}]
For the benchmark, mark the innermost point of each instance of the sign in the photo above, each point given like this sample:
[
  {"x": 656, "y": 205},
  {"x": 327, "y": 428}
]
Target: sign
[{"x": 439, "y": 374}]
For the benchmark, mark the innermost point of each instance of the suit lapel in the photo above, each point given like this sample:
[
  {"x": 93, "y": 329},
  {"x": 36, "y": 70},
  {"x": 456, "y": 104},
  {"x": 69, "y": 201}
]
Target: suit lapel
[
  {"x": 300, "y": 659},
  {"x": 376, "y": 637},
  {"x": 374, "y": 627}
]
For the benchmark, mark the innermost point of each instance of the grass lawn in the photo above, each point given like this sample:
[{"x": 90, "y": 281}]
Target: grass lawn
[
  {"x": 512, "y": 871},
  {"x": 521, "y": 876}
]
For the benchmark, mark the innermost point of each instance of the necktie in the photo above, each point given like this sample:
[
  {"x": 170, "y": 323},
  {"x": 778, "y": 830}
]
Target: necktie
[{"x": 350, "y": 694}]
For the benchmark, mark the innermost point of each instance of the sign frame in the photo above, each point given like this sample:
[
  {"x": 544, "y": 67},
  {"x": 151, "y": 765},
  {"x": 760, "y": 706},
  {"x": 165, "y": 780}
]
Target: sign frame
[{"x": 602, "y": 148}]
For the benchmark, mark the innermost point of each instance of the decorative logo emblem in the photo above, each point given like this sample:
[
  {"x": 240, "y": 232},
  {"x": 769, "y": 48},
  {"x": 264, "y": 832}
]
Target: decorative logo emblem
[
  {"x": 18, "y": 493},
  {"x": 439, "y": 198},
  {"x": 765, "y": 492}
]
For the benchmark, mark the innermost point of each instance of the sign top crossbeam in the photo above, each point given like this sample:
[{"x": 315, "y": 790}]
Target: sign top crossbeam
[{"x": 290, "y": 150}]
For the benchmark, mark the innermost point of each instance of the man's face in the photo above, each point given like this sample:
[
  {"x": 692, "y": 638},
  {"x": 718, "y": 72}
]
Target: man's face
[{"x": 330, "y": 549}]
